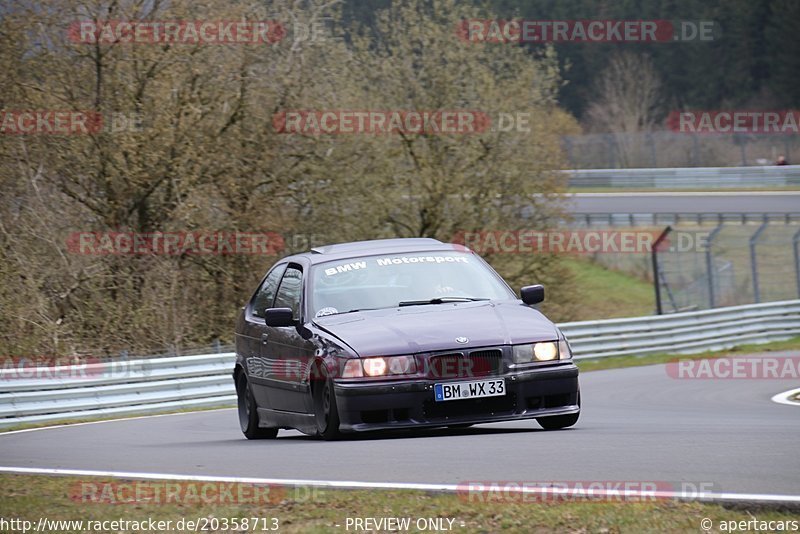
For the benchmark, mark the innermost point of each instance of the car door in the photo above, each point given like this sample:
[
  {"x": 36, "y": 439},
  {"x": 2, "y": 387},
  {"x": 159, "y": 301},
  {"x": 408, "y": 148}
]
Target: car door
[
  {"x": 285, "y": 347},
  {"x": 254, "y": 335}
]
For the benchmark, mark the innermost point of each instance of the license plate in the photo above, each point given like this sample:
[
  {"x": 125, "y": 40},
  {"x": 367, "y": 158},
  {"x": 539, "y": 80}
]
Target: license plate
[{"x": 469, "y": 390}]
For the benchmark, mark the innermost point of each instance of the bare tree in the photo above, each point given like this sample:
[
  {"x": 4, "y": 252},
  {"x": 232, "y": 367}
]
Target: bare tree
[
  {"x": 627, "y": 103},
  {"x": 207, "y": 157}
]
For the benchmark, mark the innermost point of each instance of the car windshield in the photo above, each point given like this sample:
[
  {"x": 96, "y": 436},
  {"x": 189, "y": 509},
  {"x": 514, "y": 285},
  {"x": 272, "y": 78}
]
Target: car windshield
[{"x": 406, "y": 279}]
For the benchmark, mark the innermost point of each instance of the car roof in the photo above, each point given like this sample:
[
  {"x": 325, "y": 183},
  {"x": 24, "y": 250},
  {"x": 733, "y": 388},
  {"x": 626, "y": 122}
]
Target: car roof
[{"x": 356, "y": 249}]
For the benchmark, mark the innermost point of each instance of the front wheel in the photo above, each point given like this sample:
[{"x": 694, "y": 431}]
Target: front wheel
[
  {"x": 558, "y": 421},
  {"x": 248, "y": 412},
  {"x": 326, "y": 412}
]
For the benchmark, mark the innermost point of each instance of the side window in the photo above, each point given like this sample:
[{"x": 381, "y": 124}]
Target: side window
[
  {"x": 266, "y": 293},
  {"x": 290, "y": 290}
]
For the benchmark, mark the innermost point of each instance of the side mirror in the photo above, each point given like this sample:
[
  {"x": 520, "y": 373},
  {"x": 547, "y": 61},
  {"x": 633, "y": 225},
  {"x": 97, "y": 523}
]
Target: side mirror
[
  {"x": 279, "y": 317},
  {"x": 532, "y": 294}
]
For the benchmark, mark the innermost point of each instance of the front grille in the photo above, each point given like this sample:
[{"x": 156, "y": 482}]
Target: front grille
[
  {"x": 465, "y": 408},
  {"x": 476, "y": 364}
]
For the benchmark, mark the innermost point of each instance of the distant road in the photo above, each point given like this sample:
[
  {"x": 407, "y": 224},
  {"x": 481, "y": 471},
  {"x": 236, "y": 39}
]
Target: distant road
[{"x": 700, "y": 202}]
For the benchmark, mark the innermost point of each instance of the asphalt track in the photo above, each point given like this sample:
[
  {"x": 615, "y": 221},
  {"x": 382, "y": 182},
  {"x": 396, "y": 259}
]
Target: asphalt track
[
  {"x": 637, "y": 425},
  {"x": 727, "y": 202}
]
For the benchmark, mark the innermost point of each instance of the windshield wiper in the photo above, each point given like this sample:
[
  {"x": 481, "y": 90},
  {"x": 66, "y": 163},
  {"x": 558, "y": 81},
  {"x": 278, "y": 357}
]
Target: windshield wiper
[
  {"x": 348, "y": 311},
  {"x": 439, "y": 300}
]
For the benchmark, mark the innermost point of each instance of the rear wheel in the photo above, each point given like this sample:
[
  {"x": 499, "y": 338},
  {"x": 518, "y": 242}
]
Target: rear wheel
[
  {"x": 248, "y": 413},
  {"x": 325, "y": 411}
]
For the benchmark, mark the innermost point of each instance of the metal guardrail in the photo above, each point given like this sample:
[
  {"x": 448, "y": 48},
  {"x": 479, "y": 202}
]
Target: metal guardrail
[
  {"x": 687, "y": 177},
  {"x": 117, "y": 388},
  {"x": 675, "y": 219},
  {"x": 154, "y": 385},
  {"x": 685, "y": 333}
]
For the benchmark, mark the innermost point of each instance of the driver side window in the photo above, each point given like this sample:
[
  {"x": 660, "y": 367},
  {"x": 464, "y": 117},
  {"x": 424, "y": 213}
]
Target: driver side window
[
  {"x": 266, "y": 293},
  {"x": 290, "y": 290}
]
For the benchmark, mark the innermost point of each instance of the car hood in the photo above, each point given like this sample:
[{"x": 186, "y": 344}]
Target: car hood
[{"x": 435, "y": 327}]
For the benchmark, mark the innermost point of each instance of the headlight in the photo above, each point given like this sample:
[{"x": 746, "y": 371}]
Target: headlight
[
  {"x": 544, "y": 352},
  {"x": 374, "y": 367},
  {"x": 535, "y": 352},
  {"x": 379, "y": 366},
  {"x": 523, "y": 353}
]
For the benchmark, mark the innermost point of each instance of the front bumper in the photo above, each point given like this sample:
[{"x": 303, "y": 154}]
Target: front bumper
[{"x": 539, "y": 392}]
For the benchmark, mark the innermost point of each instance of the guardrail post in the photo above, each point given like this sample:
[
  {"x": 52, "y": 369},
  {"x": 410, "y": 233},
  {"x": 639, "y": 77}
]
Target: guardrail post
[
  {"x": 753, "y": 259},
  {"x": 652, "y": 143},
  {"x": 795, "y": 245},
  {"x": 612, "y": 163},
  {"x": 741, "y": 140},
  {"x": 710, "y": 264},
  {"x": 656, "y": 272}
]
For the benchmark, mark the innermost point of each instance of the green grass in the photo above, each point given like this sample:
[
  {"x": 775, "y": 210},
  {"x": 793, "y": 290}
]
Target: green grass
[
  {"x": 605, "y": 293},
  {"x": 320, "y": 510},
  {"x": 619, "y": 362}
]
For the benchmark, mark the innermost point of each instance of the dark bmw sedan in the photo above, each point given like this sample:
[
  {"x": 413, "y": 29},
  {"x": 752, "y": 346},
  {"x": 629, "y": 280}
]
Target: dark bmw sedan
[{"x": 392, "y": 334}]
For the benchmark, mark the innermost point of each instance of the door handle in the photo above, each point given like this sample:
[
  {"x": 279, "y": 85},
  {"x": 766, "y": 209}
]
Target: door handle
[{"x": 264, "y": 338}]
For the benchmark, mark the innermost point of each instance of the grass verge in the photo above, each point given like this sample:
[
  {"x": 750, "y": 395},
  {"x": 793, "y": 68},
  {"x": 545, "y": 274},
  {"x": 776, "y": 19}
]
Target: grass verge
[
  {"x": 608, "y": 293},
  {"x": 30, "y": 498}
]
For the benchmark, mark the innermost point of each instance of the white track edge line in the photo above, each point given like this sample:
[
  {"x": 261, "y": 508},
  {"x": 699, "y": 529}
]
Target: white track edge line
[
  {"x": 448, "y": 488},
  {"x": 783, "y": 398}
]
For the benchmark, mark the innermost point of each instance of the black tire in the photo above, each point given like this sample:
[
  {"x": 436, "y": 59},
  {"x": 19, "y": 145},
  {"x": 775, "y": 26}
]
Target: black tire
[
  {"x": 557, "y": 422},
  {"x": 560, "y": 421},
  {"x": 248, "y": 413},
  {"x": 326, "y": 412}
]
